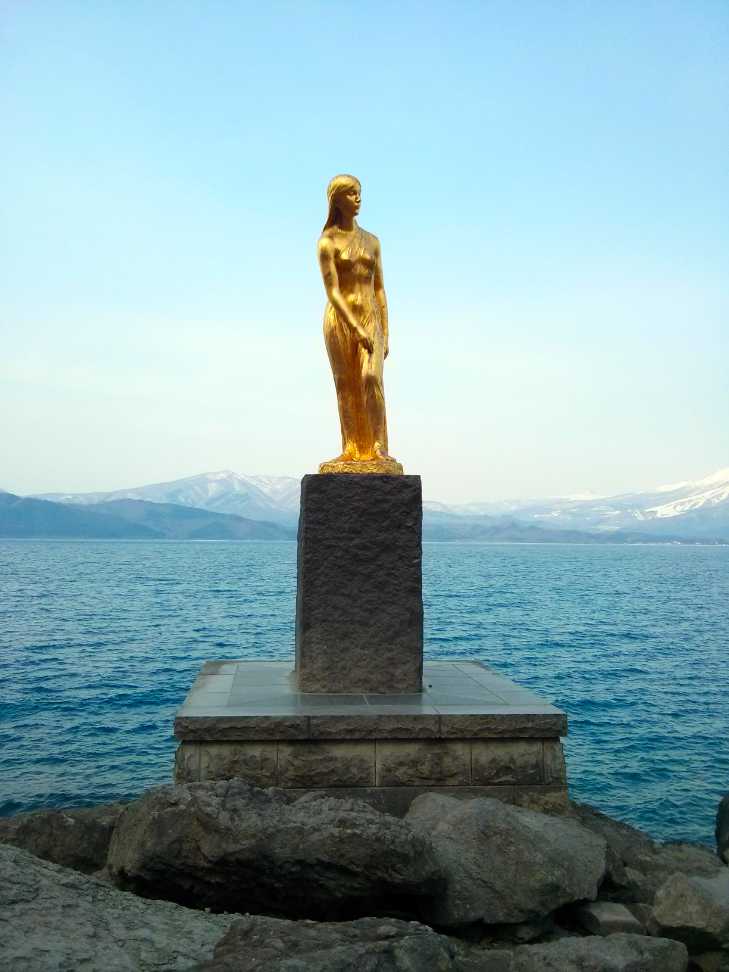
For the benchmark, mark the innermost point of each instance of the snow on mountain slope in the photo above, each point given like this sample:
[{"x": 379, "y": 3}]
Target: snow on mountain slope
[
  {"x": 274, "y": 498},
  {"x": 691, "y": 509},
  {"x": 698, "y": 508},
  {"x": 706, "y": 492}
]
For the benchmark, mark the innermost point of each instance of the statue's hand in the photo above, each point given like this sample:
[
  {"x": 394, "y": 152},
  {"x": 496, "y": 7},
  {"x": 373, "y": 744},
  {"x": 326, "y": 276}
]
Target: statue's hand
[{"x": 365, "y": 340}]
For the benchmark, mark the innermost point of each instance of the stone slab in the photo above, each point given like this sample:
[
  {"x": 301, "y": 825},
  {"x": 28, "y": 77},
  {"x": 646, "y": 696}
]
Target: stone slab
[
  {"x": 256, "y": 762},
  {"x": 252, "y": 709},
  {"x": 418, "y": 762},
  {"x": 555, "y": 768},
  {"x": 359, "y": 605},
  {"x": 204, "y": 724},
  {"x": 374, "y": 722},
  {"x": 325, "y": 763},
  {"x": 497, "y": 762},
  {"x": 501, "y": 722}
]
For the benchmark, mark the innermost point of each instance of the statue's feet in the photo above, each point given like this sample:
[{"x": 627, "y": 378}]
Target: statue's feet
[
  {"x": 380, "y": 453},
  {"x": 381, "y": 465}
]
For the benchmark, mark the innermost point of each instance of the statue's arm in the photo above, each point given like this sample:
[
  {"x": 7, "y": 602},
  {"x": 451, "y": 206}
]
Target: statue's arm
[
  {"x": 380, "y": 296},
  {"x": 331, "y": 285}
]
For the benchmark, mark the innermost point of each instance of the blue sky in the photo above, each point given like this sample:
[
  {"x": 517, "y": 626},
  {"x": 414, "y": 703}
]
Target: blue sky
[{"x": 549, "y": 182}]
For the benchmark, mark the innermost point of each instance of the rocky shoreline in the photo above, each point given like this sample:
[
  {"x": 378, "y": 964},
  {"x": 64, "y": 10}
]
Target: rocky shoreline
[{"x": 227, "y": 877}]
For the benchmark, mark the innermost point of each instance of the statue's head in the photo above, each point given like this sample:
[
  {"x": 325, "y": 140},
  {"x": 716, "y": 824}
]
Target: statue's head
[{"x": 344, "y": 194}]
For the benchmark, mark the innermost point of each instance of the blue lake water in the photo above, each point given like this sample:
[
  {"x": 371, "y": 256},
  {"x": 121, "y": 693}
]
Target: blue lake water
[{"x": 99, "y": 642}]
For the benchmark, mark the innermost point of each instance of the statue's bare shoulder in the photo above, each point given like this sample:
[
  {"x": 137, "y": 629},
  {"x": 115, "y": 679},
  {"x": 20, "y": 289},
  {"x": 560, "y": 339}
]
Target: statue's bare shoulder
[
  {"x": 371, "y": 239},
  {"x": 326, "y": 245}
]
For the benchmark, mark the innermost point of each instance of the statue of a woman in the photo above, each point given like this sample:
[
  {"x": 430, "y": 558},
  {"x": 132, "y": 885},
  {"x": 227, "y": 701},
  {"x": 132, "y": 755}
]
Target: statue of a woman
[{"x": 355, "y": 332}]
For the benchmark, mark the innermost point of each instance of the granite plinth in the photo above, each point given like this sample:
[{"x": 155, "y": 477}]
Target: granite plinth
[
  {"x": 359, "y": 605},
  {"x": 469, "y": 732}
]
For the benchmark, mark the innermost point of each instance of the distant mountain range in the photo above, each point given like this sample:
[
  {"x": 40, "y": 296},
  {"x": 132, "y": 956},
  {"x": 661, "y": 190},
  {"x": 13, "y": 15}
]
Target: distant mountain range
[
  {"x": 25, "y": 517},
  {"x": 272, "y": 498},
  {"x": 687, "y": 511},
  {"x": 697, "y": 510}
]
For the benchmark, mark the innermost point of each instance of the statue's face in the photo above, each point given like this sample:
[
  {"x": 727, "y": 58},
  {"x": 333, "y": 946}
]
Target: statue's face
[{"x": 348, "y": 201}]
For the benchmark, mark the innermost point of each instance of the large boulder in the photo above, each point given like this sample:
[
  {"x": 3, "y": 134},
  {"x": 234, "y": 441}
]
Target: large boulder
[
  {"x": 73, "y": 838},
  {"x": 53, "y": 919},
  {"x": 722, "y": 829},
  {"x": 637, "y": 865},
  {"x": 233, "y": 847},
  {"x": 625, "y": 844},
  {"x": 505, "y": 864},
  {"x": 382, "y": 945},
  {"x": 616, "y": 953},
  {"x": 695, "y": 910},
  {"x": 650, "y": 872}
]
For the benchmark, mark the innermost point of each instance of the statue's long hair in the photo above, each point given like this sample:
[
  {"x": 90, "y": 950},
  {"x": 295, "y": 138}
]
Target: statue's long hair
[{"x": 339, "y": 184}]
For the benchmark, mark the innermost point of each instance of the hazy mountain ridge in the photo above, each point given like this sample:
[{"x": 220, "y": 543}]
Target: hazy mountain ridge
[
  {"x": 271, "y": 498},
  {"x": 688, "y": 509},
  {"x": 506, "y": 529},
  {"x": 692, "y": 510},
  {"x": 26, "y": 517}
]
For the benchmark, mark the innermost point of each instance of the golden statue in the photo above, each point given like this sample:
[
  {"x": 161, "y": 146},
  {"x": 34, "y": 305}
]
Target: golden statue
[{"x": 355, "y": 333}]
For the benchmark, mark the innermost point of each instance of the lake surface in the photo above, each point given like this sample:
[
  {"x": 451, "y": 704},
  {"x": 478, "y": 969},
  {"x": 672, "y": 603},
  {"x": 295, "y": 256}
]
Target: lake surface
[{"x": 100, "y": 641}]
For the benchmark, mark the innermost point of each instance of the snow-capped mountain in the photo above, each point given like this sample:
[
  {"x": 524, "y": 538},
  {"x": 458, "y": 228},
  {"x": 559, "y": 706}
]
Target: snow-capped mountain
[
  {"x": 709, "y": 492},
  {"x": 692, "y": 509},
  {"x": 273, "y": 498}
]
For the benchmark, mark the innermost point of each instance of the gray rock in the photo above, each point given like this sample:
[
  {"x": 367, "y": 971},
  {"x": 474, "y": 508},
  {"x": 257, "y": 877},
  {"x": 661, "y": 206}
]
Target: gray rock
[
  {"x": 379, "y": 944},
  {"x": 230, "y": 846},
  {"x": 695, "y": 910},
  {"x": 608, "y": 918},
  {"x": 521, "y": 933},
  {"x": 359, "y": 602},
  {"x": 710, "y": 962},
  {"x": 643, "y": 913},
  {"x": 76, "y": 838},
  {"x": 617, "y": 953},
  {"x": 386, "y": 945},
  {"x": 505, "y": 864},
  {"x": 722, "y": 829},
  {"x": 56, "y": 920},
  {"x": 624, "y": 843},
  {"x": 484, "y": 960},
  {"x": 638, "y": 865}
]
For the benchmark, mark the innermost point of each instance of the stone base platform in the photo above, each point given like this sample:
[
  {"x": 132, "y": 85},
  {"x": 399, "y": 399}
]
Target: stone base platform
[{"x": 471, "y": 732}]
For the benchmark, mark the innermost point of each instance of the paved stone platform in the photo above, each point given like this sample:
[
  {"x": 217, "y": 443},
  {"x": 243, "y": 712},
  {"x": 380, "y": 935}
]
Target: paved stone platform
[{"x": 470, "y": 732}]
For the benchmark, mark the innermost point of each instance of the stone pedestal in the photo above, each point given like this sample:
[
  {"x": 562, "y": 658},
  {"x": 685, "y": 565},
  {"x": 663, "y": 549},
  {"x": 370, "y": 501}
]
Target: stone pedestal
[
  {"x": 470, "y": 732},
  {"x": 359, "y": 606},
  {"x": 361, "y": 715}
]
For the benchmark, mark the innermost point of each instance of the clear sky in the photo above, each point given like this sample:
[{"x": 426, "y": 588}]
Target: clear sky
[{"x": 549, "y": 180}]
